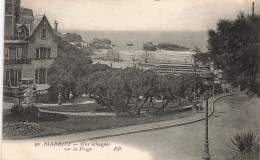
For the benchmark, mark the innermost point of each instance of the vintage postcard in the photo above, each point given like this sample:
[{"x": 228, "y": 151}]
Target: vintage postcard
[{"x": 130, "y": 79}]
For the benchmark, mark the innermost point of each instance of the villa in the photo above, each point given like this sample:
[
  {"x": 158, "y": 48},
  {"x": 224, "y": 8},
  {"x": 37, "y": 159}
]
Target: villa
[{"x": 30, "y": 48}]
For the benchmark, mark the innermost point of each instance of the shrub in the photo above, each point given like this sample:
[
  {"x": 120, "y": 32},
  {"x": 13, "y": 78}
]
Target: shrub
[
  {"x": 20, "y": 129},
  {"x": 17, "y": 110},
  {"x": 29, "y": 113},
  {"x": 245, "y": 143}
]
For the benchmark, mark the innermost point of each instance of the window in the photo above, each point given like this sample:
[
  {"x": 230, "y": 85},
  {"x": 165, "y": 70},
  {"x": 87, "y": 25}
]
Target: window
[
  {"x": 44, "y": 33},
  {"x": 19, "y": 75},
  {"x": 8, "y": 8},
  {"x": 37, "y": 53},
  {"x": 43, "y": 53},
  {"x": 18, "y": 53},
  {"x": 6, "y": 51},
  {"x": 37, "y": 75},
  {"x": 7, "y": 76}
]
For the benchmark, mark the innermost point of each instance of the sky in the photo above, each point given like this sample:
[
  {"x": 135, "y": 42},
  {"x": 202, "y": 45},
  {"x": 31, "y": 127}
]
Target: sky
[{"x": 144, "y": 15}]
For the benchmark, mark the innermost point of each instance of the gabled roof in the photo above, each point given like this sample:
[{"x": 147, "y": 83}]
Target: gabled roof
[{"x": 36, "y": 22}]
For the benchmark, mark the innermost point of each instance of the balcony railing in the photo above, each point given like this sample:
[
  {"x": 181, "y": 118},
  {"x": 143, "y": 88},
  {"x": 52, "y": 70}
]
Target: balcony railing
[{"x": 17, "y": 61}]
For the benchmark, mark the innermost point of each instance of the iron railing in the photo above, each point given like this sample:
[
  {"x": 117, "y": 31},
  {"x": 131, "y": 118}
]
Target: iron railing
[{"x": 17, "y": 61}]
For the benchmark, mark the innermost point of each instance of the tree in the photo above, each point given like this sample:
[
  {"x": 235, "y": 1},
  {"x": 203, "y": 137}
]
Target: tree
[
  {"x": 233, "y": 49},
  {"x": 106, "y": 88},
  {"x": 68, "y": 69},
  {"x": 149, "y": 87},
  {"x": 132, "y": 79},
  {"x": 119, "y": 88}
]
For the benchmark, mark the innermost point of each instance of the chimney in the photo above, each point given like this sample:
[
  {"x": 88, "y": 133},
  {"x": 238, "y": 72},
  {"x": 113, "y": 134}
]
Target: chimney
[
  {"x": 56, "y": 26},
  {"x": 253, "y": 9}
]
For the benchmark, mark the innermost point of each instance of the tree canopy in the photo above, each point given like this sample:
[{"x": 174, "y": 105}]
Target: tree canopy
[
  {"x": 233, "y": 48},
  {"x": 131, "y": 88}
]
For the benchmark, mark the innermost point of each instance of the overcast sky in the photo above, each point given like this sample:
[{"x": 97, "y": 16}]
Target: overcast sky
[{"x": 171, "y": 15}]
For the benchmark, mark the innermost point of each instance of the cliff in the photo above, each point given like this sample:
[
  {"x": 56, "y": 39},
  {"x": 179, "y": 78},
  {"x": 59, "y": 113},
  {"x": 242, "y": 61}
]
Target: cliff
[
  {"x": 171, "y": 47},
  {"x": 149, "y": 46},
  {"x": 73, "y": 37},
  {"x": 101, "y": 43},
  {"x": 68, "y": 48}
]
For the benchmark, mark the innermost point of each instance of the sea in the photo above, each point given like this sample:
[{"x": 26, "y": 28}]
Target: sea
[{"x": 138, "y": 38}]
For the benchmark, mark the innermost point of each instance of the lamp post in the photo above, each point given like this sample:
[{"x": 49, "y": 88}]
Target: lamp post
[
  {"x": 207, "y": 76},
  {"x": 206, "y": 155}
]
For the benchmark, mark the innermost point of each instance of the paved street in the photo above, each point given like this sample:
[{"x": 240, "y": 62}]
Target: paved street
[{"x": 234, "y": 114}]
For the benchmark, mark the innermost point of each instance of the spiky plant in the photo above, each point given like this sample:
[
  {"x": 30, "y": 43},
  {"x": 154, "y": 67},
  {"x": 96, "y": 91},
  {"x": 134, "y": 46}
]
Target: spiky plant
[{"x": 245, "y": 143}]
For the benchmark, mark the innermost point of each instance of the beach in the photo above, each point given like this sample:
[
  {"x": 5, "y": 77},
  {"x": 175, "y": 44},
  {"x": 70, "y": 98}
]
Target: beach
[{"x": 159, "y": 56}]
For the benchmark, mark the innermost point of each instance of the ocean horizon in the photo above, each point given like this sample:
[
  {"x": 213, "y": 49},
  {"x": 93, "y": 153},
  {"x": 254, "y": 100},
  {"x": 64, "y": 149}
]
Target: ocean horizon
[{"x": 188, "y": 39}]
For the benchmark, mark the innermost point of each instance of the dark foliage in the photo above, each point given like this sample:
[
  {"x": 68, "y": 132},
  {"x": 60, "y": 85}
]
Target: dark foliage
[
  {"x": 245, "y": 143},
  {"x": 29, "y": 113},
  {"x": 234, "y": 49},
  {"x": 128, "y": 90},
  {"x": 67, "y": 70}
]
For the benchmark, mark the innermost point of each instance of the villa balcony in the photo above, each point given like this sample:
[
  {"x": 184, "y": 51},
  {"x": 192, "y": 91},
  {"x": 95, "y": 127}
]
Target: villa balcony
[{"x": 17, "y": 61}]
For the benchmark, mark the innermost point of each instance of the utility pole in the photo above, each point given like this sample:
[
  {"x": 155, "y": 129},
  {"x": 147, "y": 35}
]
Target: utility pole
[
  {"x": 253, "y": 9},
  {"x": 194, "y": 79}
]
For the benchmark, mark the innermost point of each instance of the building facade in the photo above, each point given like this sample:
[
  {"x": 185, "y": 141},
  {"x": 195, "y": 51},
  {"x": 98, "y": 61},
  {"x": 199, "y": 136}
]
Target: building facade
[
  {"x": 30, "y": 48},
  {"x": 175, "y": 68}
]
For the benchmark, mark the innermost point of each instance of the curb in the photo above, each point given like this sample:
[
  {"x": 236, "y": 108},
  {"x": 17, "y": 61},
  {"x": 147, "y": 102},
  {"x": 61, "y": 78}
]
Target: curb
[
  {"x": 79, "y": 113},
  {"x": 162, "y": 127}
]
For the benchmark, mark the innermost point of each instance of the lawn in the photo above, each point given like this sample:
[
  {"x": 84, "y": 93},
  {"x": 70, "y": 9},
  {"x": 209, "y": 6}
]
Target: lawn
[{"x": 52, "y": 123}]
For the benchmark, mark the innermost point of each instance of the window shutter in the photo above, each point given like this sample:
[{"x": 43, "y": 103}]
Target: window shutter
[
  {"x": 37, "y": 53},
  {"x": 18, "y": 53},
  {"x": 48, "y": 53},
  {"x": 6, "y": 50},
  {"x": 19, "y": 76},
  {"x": 36, "y": 75}
]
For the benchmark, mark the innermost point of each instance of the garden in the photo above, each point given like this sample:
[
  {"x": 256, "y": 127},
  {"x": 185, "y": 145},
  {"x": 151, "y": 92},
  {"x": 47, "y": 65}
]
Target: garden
[{"x": 28, "y": 122}]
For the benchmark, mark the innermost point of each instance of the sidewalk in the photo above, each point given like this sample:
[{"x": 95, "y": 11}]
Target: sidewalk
[{"x": 90, "y": 135}]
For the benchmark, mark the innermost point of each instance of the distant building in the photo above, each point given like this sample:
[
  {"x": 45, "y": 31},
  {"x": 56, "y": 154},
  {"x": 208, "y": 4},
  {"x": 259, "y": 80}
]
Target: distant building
[
  {"x": 30, "y": 47},
  {"x": 174, "y": 68},
  {"x": 171, "y": 62},
  {"x": 26, "y": 17}
]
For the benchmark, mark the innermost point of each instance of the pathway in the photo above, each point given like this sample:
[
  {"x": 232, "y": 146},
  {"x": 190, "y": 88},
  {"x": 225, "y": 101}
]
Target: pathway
[{"x": 88, "y": 135}]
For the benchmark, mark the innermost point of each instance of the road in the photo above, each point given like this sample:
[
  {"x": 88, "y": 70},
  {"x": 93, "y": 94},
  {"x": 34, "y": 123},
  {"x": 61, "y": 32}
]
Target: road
[{"x": 234, "y": 114}]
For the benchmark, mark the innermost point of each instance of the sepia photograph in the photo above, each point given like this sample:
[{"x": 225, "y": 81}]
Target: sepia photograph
[{"x": 130, "y": 79}]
